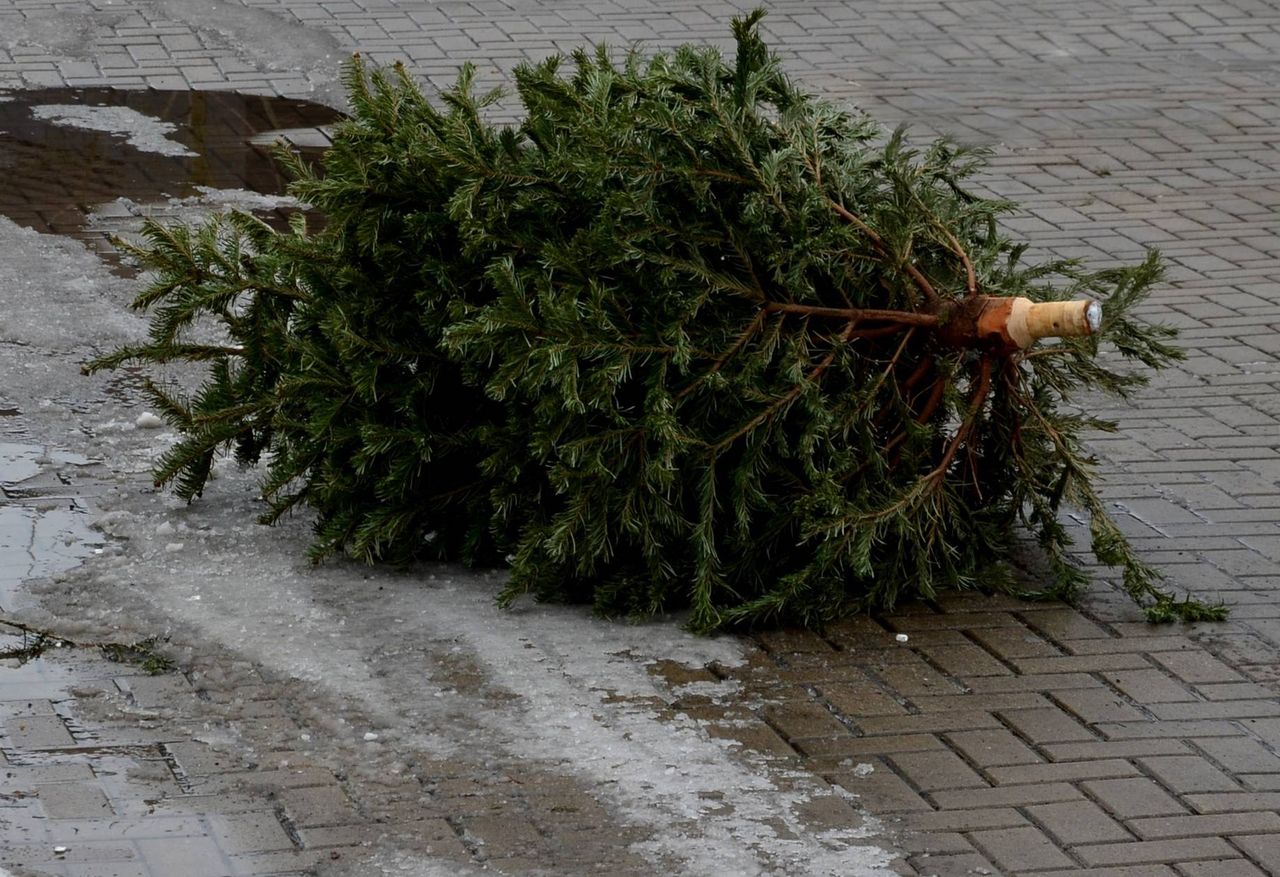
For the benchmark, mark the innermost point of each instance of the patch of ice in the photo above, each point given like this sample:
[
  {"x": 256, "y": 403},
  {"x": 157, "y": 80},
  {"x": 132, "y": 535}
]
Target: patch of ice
[
  {"x": 144, "y": 133},
  {"x": 38, "y": 541},
  {"x": 56, "y": 297},
  {"x": 716, "y": 691}
]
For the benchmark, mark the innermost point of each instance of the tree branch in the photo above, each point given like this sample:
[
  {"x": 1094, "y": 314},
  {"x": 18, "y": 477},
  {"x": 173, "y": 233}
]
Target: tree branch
[
  {"x": 975, "y": 408},
  {"x": 921, "y": 281},
  {"x": 789, "y": 397},
  {"x": 727, "y": 355},
  {"x": 971, "y": 276},
  {"x": 907, "y": 318}
]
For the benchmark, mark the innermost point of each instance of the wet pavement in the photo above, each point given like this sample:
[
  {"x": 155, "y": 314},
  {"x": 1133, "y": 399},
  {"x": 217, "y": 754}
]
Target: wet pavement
[
  {"x": 1000, "y": 738},
  {"x": 89, "y": 781}
]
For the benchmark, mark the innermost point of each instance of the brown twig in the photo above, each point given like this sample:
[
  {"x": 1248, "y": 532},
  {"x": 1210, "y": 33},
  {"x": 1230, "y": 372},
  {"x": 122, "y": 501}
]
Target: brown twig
[
  {"x": 43, "y": 640},
  {"x": 905, "y": 389},
  {"x": 26, "y": 628},
  {"x": 972, "y": 459},
  {"x": 922, "y": 282},
  {"x": 935, "y": 397},
  {"x": 918, "y": 375},
  {"x": 975, "y": 408},
  {"x": 971, "y": 276},
  {"x": 737, "y": 345},
  {"x": 884, "y": 375},
  {"x": 906, "y": 318},
  {"x": 814, "y": 374},
  {"x": 880, "y": 332},
  {"x": 930, "y": 407}
]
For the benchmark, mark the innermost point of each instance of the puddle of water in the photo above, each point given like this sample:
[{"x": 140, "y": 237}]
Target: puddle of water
[
  {"x": 65, "y": 151},
  {"x": 44, "y": 528}
]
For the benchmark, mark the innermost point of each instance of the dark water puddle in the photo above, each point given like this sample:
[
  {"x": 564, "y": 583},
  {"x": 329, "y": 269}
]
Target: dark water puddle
[{"x": 56, "y": 169}]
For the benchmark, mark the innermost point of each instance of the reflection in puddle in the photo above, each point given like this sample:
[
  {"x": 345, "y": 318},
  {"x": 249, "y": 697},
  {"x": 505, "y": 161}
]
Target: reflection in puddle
[
  {"x": 64, "y": 151},
  {"x": 141, "y": 132}
]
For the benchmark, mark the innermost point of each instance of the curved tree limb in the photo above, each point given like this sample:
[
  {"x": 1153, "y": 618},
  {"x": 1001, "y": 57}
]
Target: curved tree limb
[{"x": 922, "y": 282}]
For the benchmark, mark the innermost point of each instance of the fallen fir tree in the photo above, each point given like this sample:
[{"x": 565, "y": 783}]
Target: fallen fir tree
[{"x": 683, "y": 337}]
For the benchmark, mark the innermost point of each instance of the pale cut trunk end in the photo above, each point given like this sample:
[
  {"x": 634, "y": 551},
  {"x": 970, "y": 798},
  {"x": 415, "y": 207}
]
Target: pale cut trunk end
[{"x": 1022, "y": 322}]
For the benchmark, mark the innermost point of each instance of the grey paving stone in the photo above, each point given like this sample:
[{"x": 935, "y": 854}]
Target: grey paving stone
[
  {"x": 42, "y": 855},
  {"x": 1221, "y": 868},
  {"x": 1186, "y": 773},
  {"x": 76, "y": 830},
  {"x": 1180, "y": 849},
  {"x": 1208, "y": 826},
  {"x": 16, "y": 777},
  {"x": 250, "y": 832},
  {"x": 200, "y": 759},
  {"x": 941, "y": 769},
  {"x": 1135, "y": 797},
  {"x": 73, "y": 801},
  {"x": 1018, "y": 849},
  {"x": 107, "y": 869},
  {"x": 1076, "y": 822},
  {"x": 1240, "y": 754},
  {"x": 317, "y": 806},
  {"x": 189, "y": 856},
  {"x": 36, "y": 732}
]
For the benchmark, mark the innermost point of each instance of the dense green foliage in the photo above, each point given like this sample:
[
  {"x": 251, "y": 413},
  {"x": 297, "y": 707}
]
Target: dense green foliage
[{"x": 666, "y": 342}]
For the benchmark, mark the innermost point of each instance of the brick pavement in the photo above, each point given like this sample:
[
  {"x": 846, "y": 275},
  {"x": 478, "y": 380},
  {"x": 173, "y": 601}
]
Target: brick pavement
[
  {"x": 209, "y": 770},
  {"x": 96, "y": 775},
  {"x": 1006, "y": 737},
  {"x": 1032, "y": 739}
]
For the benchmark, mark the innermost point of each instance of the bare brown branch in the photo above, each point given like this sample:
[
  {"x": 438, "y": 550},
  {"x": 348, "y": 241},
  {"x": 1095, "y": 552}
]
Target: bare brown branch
[
  {"x": 965, "y": 429},
  {"x": 922, "y": 282},
  {"x": 906, "y": 318}
]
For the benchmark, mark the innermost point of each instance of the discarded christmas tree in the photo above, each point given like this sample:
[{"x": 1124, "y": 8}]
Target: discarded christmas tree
[{"x": 683, "y": 337}]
